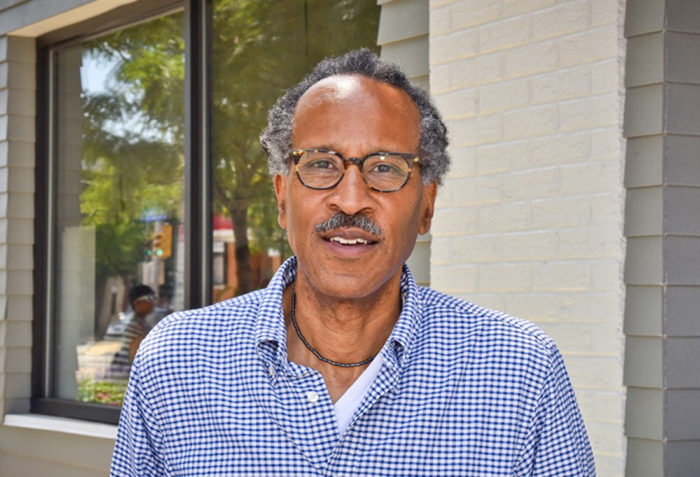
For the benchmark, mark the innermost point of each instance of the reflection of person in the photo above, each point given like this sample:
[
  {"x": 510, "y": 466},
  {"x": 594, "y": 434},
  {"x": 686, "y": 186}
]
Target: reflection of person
[
  {"x": 343, "y": 365},
  {"x": 142, "y": 299}
]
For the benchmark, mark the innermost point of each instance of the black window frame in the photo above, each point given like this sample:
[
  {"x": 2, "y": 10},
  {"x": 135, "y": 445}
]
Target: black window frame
[{"x": 198, "y": 180}]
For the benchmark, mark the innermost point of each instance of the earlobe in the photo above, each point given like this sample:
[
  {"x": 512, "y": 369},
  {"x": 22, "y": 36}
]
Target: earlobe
[
  {"x": 280, "y": 183},
  {"x": 429, "y": 194}
]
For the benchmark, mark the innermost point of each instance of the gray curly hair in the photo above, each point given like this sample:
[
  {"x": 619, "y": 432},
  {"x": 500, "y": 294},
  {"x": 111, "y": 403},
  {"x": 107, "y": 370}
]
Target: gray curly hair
[{"x": 276, "y": 139}]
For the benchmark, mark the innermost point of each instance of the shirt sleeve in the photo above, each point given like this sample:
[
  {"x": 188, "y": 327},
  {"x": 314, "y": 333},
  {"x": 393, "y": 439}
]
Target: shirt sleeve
[
  {"x": 137, "y": 449},
  {"x": 557, "y": 443}
]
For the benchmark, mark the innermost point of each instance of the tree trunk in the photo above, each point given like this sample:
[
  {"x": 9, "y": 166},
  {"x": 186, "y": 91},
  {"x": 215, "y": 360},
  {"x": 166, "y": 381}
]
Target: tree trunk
[{"x": 244, "y": 272}]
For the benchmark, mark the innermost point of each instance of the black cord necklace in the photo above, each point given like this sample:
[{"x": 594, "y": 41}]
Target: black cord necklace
[{"x": 316, "y": 353}]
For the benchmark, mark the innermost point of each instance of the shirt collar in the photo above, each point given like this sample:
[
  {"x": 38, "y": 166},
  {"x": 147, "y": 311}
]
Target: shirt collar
[{"x": 271, "y": 334}]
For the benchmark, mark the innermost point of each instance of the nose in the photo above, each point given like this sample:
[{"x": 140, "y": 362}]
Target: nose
[{"x": 352, "y": 194}]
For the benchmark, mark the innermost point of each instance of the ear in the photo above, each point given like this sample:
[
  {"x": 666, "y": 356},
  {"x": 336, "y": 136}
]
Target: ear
[
  {"x": 428, "y": 206},
  {"x": 280, "y": 183}
]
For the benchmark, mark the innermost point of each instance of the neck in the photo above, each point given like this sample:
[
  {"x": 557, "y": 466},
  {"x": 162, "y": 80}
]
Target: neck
[{"x": 341, "y": 329}]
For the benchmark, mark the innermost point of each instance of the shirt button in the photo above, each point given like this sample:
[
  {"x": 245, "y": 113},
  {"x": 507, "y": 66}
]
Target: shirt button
[
  {"x": 271, "y": 370},
  {"x": 312, "y": 397}
]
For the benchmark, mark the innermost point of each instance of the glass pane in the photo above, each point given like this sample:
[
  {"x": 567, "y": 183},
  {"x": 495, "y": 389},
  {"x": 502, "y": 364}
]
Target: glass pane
[
  {"x": 260, "y": 49},
  {"x": 119, "y": 202}
]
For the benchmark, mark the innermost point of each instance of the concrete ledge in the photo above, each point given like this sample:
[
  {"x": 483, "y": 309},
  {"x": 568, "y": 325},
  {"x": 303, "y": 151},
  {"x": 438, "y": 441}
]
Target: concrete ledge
[{"x": 61, "y": 424}]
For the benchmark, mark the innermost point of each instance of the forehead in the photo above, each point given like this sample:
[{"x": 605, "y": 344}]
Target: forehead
[{"x": 354, "y": 106}]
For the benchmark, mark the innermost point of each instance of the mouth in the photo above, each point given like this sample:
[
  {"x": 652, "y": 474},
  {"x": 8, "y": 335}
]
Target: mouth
[
  {"x": 343, "y": 241},
  {"x": 349, "y": 238}
]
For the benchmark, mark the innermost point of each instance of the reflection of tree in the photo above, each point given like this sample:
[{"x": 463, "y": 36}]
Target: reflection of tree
[
  {"x": 259, "y": 48},
  {"x": 132, "y": 141}
]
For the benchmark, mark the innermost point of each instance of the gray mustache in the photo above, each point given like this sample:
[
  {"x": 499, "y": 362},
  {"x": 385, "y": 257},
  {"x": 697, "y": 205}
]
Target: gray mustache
[{"x": 340, "y": 220}]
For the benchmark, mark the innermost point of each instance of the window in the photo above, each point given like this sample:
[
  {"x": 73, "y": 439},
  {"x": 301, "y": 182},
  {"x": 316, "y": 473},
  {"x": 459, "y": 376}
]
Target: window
[{"x": 155, "y": 194}]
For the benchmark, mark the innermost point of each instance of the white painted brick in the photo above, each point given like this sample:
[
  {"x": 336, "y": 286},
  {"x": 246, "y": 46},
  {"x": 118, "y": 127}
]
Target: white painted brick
[
  {"x": 453, "y": 47},
  {"x": 557, "y": 212},
  {"x": 504, "y": 277},
  {"x": 467, "y": 13},
  {"x": 605, "y": 12},
  {"x": 589, "y": 307},
  {"x": 606, "y": 275},
  {"x": 504, "y": 34},
  {"x": 470, "y": 191},
  {"x": 530, "y": 59},
  {"x": 456, "y": 221},
  {"x": 517, "y": 7},
  {"x": 606, "y": 76},
  {"x": 505, "y": 217},
  {"x": 528, "y": 246},
  {"x": 440, "y": 21},
  {"x": 441, "y": 251},
  {"x": 489, "y": 129},
  {"x": 563, "y": 85},
  {"x": 489, "y": 68},
  {"x": 463, "y": 162},
  {"x": 558, "y": 149},
  {"x": 565, "y": 18},
  {"x": 606, "y": 143},
  {"x": 455, "y": 279},
  {"x": 529, "y": 122},
  {"x": 595, "y": 176},
  {"x": 593, "y": 242},
  {"x": 607, "y": 209},
  {"x": 539, "y": 307},
  {"x": 500, "y": 157},
  {"x": 564, "y": 275},
  {"x": 561, "y": 276},
  {"x": 504, "y": 95},
  {"x": 458, "y": 104},
  {"x": 485, "y": 300},
  {"x": 589, "y": 113},
  {"x": 589, "y": 46},
  {"x": 593, "y": 372},
  {"x": 477, "y": 249},
  {"x": 532, "y": 184}
]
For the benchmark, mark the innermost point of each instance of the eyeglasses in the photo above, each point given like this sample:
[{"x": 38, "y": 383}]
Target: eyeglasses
[
  {"x": 145, "y": 298},
  {"x": 322, "y": 169}
]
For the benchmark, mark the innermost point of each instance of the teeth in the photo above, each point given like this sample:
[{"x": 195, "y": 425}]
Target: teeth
[{"x": 354, "y": 241}]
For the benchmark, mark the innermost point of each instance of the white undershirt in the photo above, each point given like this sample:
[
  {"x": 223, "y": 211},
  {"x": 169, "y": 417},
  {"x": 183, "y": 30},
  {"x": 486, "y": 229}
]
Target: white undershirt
[{"x": 348, "y": 403}]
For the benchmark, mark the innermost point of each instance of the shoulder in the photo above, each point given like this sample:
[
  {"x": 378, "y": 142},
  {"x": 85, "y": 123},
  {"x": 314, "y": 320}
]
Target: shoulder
[
  {"x": 200, "y": 330},
  {"x": 481, "y": 329}
]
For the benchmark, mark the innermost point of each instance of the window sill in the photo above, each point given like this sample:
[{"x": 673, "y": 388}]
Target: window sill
[{"x": 61, "y": 424}]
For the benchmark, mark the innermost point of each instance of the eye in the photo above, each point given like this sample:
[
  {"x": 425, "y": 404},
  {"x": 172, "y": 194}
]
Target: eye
[
  {"x": 320, "y": 164},
  {"x": 385, "y": 165}
]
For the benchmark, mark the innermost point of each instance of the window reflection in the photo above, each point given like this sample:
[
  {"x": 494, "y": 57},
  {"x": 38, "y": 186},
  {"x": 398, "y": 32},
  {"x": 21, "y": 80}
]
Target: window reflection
[{"x": 120, "y": 181}]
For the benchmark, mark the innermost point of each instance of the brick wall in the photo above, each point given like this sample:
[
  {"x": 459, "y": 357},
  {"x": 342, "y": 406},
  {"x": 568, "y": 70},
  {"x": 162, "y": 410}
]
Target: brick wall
[{"x": 530, "y": 218}]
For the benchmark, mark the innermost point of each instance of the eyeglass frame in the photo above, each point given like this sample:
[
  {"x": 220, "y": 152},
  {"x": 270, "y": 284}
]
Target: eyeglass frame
[{"x": 410, "y": 159}]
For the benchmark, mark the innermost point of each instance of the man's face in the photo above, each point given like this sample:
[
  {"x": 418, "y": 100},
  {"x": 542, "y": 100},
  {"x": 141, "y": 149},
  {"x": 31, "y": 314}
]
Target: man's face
[{"x": 355, "y": 116}]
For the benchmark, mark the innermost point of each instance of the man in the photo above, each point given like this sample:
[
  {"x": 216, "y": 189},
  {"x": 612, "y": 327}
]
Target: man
[{"x": 343, "y": 365}]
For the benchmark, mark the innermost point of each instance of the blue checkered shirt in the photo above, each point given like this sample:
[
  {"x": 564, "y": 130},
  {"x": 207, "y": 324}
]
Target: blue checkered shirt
[{"x": 461, "y": 391}]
